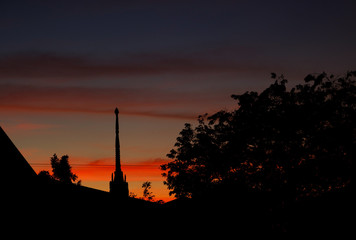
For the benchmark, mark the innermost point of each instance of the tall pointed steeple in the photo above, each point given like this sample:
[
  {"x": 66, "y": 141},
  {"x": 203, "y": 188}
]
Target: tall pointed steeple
[
  {"x": 117, "y": 143},
  {"x": 118, "y": 185}
]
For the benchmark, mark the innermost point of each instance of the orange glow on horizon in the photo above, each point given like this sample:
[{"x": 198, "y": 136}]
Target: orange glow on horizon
[
  {"x": 134, "y": 172},
  {"x": 97, "y": 173},
  {"x": 100, "y": 170}
]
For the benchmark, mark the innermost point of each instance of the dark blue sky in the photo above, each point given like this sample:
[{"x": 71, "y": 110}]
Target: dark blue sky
[{"x": 108, "y": 28}]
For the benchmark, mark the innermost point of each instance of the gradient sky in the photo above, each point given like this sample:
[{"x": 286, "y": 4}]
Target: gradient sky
[{"x": 66, "y": 65}]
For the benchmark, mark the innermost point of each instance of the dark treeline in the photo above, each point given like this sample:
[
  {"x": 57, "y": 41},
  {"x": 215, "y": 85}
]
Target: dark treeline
[{"x": 294, "y": 145}]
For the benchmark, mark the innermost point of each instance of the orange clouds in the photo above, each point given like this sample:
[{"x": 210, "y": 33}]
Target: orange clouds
[{"x": 131, "y": 101}]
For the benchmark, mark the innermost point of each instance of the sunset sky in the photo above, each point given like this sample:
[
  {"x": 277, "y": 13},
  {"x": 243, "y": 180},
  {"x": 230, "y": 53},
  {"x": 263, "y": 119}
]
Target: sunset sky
[{"x": 66, "y": 65}]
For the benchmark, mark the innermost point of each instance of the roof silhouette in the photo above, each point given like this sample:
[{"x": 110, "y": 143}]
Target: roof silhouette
[{"x": 15, "y": 168}]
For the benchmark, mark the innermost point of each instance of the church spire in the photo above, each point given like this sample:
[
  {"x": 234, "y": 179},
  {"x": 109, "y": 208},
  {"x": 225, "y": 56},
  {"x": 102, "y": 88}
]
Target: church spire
[
  {"x": 118, "y": 185},
  {"x": 117, "y": 143}
]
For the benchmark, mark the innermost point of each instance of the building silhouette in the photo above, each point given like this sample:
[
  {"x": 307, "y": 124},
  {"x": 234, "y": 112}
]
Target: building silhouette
[
  {"x": 19, "y": 182},
  {"x": 16, "y": 173},
  {"x": 118, "y": 185}
]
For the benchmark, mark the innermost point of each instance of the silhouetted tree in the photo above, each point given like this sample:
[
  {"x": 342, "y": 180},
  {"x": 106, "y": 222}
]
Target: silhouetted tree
[
  {"x": 61, "y": 169},
  {"x": 146, "y": 191},
  {"x": 295, "y": 142}
]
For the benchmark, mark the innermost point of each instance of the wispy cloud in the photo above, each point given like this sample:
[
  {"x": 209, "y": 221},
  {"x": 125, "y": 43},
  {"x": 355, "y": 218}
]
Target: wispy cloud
[
  {"x": 142, "y": 102},
  {"x": 48, "y": 82},
  {"x": 27, "y": 127},
  {"x": 50, "y": 65},
  {"x": 33, "y": 126}
]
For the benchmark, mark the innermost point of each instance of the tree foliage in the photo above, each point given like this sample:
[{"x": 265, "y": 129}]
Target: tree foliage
[
  {"x": 61, "y": 170},
  {"x": 296, "y": 141},
  {"x": 146, "y": 191}
]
